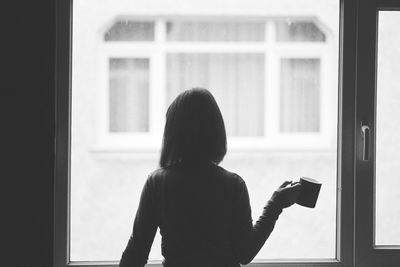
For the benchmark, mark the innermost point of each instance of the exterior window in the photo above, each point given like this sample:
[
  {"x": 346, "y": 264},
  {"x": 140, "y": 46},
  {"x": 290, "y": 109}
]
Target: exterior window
[
  {"x": 254, "y": 68},
  {"x": 130, "y": 31},
  {"x": 189, "y": 31},
  {"x": 299, "y": 32},
  {"x": 299, "y": 95},
  {"x": 129, "y": 95},
  {"x": 234, "y": 79}
]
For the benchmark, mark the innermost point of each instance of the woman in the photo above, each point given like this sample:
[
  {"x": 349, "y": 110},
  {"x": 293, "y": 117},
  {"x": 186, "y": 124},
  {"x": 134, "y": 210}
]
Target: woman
[{"x": 202, "y": 210}]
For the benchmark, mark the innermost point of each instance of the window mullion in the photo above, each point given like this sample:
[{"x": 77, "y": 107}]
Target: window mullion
[
  {"x": 346, "y": 138},
  {"x": 158, "y": 81},
  {"x": 272, "y": 93}
]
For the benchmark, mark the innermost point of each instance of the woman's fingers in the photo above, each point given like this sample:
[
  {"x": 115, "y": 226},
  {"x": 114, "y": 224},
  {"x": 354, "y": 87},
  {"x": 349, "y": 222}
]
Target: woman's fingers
[
  {"x": 285, "y": 184},
  {"x": 287, "y": 195},
  {"x": 297, "y": 189},
  {"x": 293, "y": 192}
]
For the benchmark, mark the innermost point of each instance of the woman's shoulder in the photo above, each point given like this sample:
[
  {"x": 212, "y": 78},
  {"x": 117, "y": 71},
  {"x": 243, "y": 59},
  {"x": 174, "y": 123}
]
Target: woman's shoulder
[
  {"x": 232, "y": 176},
  {"x": 174, "y": 170},
  {"x": 158, "y": 173},
  {"x": 161, "y": 173}
]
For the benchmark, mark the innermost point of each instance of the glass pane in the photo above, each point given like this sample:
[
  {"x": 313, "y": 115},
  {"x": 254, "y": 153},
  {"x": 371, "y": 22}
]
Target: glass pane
[
  {"x": 106, "y": 180},
  {"x": 298, "y": 31},
  {"x": 128, "y": 30},
  {"x": 300, "y": 95},
  {"x": 191, "y": 31},
  {"x": 387, "y": 231},
  {"x": 236, "y": 81},
  {"x": 129, "y": 95}
]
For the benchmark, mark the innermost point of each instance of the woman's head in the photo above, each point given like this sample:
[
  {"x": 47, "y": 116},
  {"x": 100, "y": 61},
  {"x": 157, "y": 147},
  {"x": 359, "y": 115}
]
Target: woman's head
[{"x": 194, "y": 129}]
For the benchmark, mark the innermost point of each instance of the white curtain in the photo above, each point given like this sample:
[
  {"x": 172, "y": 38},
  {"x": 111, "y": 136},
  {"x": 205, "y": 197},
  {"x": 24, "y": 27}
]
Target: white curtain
[
  {"x": 235, "y": 80},
  {"x": 129, "y": 95},
  {"x": 300, "y": 95}
]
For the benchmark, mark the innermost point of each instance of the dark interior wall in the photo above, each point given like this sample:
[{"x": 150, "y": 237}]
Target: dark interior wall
[{"x": 27, "y": 94}]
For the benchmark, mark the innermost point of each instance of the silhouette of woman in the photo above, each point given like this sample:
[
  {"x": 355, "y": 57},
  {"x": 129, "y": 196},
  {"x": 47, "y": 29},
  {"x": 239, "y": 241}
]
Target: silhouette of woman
[{"x": 202, "y": 210}]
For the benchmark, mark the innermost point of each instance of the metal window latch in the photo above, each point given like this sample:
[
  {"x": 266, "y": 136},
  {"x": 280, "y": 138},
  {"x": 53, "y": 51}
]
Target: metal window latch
[{"x": 365, "y": 135}]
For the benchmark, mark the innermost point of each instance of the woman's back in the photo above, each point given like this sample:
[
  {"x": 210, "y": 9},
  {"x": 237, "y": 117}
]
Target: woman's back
[
  {"x": 204, "y": 216},
  {"x": 196, "y": 209}
]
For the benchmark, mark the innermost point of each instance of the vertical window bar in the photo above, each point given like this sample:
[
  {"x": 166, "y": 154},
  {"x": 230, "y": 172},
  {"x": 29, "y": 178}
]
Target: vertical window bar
[
  {"x": 272, "y": 93},
  {"x": 158, "y": 81}
]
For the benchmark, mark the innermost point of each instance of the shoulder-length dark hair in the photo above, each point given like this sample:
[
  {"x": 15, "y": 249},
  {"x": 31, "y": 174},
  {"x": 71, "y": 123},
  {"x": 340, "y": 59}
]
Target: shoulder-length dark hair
[{"x": 194, "y": 129}]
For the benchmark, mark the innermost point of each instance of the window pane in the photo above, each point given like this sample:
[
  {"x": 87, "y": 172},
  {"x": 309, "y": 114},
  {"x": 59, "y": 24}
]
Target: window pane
[
  {"x": 188, "y": 31},
  {"x": 387, "y": 231},
  {"x": 130, "y": 31},
  {"x": 107, "y": 177},
  {"x": 295, "y": 31},
  {"x": 236, "y": 81},
  {"x": 129, "y": 95},
  {"x": 299, "y": 95}
]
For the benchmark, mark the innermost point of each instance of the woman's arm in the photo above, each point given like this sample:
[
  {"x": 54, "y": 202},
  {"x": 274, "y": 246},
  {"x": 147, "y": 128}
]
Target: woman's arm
[
  {"x": 248, "y": 239},
  {"x": 144, "y": 229}
]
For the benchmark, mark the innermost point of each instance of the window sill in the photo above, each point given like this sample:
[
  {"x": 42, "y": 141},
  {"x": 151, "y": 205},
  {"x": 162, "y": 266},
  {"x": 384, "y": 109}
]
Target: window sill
[{"x": 255, "y": 263}]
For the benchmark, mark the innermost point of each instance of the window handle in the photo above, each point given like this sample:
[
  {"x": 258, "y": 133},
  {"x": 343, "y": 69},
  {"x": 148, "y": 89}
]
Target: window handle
[{"x": 365, "y": 134}]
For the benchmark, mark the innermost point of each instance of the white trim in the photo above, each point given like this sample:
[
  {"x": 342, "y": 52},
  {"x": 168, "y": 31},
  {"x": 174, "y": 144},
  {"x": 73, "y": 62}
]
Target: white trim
[{"x": 103, "y": 118}]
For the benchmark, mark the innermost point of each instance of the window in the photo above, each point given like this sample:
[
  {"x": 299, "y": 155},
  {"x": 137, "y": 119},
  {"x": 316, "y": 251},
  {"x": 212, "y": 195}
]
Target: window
[
  {"x": 376, "y": 243},
  {"x": 274, "y": 77},
  {"x": 235, "y": 79},
  {"x": 128, "y": 63},
  {"x": 129, "y": 94},
  {"x": 387, "y": 154},
  {"x": 299, "y": 32},
  {"x": 236, "y": 59},
  {"x": 130, "y": 31},
  {"x": 299, "y": 95}
]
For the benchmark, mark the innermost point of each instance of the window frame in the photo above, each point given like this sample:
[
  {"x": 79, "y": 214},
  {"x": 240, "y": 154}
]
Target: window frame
[
  {"x": 367, "y": 254},
  {"x": 273, "y": 51},
  {"x": 346, "y": 144}
]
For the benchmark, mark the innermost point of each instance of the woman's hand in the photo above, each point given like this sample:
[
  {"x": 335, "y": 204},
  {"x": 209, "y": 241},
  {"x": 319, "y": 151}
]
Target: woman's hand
[{"x": 287, "y": 194}]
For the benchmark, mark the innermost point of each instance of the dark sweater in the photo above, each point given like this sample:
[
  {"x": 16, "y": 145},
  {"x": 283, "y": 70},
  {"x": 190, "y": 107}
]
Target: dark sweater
[{"x": 204, "y": 216}]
